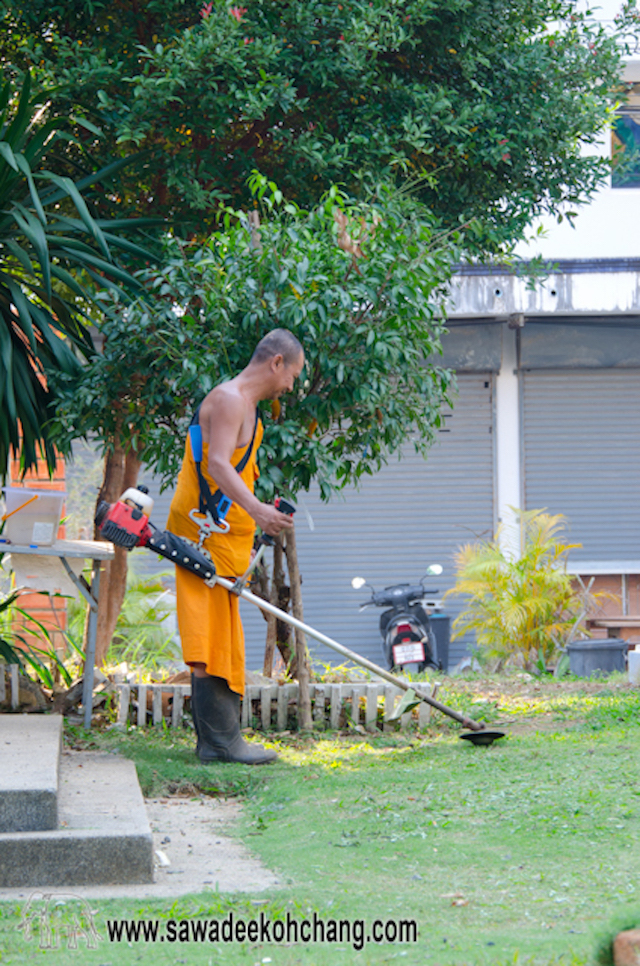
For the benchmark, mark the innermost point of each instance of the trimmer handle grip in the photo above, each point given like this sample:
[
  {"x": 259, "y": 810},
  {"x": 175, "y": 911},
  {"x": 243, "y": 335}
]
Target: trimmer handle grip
[{"x": 284, "y": 507}]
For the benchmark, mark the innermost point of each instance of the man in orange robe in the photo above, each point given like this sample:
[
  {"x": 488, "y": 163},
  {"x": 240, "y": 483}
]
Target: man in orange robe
[{"x": 208, "y": 617}]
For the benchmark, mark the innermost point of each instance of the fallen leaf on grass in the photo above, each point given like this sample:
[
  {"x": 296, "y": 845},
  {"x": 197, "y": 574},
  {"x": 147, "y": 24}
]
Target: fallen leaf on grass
[{"x": 458, "y": 898}]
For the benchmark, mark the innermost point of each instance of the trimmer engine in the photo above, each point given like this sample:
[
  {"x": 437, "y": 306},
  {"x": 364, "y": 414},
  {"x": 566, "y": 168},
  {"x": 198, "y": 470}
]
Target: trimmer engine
[{"x": 126, "y": 523}]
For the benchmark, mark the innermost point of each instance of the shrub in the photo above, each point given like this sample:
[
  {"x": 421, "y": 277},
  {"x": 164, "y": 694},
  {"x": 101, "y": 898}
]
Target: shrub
[{"x": 524, "y": 607}]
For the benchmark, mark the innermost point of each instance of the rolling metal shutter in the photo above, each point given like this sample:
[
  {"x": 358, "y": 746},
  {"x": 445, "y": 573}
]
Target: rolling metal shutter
[
  {"x": 413, "y": 513},
  {"x": 581, "y": 443}
]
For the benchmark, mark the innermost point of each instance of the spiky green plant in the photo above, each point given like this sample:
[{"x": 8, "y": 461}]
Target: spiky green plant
[
  {"x": 52, "y": 251},
  {"x": 523, "y": 605},
  {"x": 15, "y": 648}
]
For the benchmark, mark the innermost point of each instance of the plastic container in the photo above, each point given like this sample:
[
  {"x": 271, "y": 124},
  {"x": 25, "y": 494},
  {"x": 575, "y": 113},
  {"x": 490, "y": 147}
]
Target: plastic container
[
  {"x": 634, "y": 667},
  {"x": 36, "y": 524},
  {"x": 597, "y": 657}
]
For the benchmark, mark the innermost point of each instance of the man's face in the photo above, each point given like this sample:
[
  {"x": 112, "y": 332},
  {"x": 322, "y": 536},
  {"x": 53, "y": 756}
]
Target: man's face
[{"x": 285, "y": 374}]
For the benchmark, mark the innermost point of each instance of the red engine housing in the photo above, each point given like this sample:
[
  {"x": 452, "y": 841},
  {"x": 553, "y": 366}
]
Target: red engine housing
[{"x": 125, "y": 526}]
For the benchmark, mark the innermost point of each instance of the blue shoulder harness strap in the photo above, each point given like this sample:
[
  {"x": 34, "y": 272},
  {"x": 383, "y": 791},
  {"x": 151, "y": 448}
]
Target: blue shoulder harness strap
[{"x": 216, "y": 503}]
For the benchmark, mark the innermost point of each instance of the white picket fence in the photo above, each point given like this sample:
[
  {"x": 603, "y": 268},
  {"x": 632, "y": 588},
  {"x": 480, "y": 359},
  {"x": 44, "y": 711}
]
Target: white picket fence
[
  {"x": 14, "y": 685},
  {"x": 268, "y": 706},
  {"x": 142, "y": 704}
]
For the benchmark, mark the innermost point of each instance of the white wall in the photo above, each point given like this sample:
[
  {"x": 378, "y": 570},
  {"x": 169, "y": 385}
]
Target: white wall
[
  {"x": 607, "y": 227},
  {"x": 508, "y": 483}
]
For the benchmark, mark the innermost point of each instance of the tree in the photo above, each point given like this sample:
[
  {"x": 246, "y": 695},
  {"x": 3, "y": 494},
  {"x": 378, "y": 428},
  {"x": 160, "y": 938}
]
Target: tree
[
  {"x": 50, "y": 246},
  {"x": 357, "y": 282},
  {"x": 487, "y": 105}
]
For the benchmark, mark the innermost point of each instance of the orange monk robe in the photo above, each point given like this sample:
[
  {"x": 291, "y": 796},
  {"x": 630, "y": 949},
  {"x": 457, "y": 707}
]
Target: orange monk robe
[{"x": 208, "y": 617}]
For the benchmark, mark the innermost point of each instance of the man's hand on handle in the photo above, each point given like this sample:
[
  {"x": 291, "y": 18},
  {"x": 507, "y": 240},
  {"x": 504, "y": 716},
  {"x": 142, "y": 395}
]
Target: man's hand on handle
[{"x": 271, "y": 521}]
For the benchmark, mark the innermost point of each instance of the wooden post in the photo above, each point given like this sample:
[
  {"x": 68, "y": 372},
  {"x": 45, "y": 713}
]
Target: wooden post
[
  {"x": 371, "y": 710},
  {"x": 123, "y": 709},
  {"x": 318, "y": 707},
  {"x": 272, "y": 622},
  {"x": 356, "y": 693},
  {"x": 178, "y": 703},
  {"x": 336, "y": 707},
  {"x": 282, "y": 707},
  {"x": 266, "y": 694},
  {"x": 424, "y": 712},
  {"x": 295, "y": 583},
  {"x": 142, "y": 705},
  {"x": 157, "y": 704}
]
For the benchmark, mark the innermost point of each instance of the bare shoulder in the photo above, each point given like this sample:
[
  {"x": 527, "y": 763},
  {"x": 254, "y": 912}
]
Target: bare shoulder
[{"x": 224, "y": 407}]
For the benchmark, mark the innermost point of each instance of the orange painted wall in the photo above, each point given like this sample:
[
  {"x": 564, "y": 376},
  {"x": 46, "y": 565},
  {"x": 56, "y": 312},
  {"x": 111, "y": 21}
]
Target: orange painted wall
[{"x": 50, "y": 611}]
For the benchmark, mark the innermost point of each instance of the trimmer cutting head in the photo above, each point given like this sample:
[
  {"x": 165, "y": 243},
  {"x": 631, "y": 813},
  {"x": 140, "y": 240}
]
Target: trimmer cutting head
[{"x": 482, "y": 737}]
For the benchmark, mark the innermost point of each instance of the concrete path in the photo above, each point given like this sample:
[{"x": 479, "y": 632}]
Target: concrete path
[
  {"x": 76, "y": 823},
  {"x": 195, "y": 837}
]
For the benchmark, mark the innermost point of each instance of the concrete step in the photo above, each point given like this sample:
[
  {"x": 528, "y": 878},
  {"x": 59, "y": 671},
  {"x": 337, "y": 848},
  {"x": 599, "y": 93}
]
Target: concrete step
[
  {"x": 103, "y": 835},
  {"x": 30, "y": 746}
]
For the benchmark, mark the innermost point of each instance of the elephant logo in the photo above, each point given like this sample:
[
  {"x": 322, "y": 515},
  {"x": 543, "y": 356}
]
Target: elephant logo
[{"x": 52, "y": 917}]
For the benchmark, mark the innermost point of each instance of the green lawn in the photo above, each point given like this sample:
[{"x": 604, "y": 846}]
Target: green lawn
[{"x": 522, "y": 852}]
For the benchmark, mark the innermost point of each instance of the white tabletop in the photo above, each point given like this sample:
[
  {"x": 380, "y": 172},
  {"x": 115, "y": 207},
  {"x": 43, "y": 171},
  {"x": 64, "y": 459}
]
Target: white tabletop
[
  {"x": 87, "y": 549},
  {"x": 597, "y": 568}
]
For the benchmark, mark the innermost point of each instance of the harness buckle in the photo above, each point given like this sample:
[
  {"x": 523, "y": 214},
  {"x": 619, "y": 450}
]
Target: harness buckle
[{"x": 207, "y": 526}]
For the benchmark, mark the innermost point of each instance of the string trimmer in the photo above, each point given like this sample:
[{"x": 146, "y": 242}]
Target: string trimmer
[{"x": 126, "y": 523}]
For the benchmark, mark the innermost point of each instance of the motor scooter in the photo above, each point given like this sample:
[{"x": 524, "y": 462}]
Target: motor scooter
[{"x": 408, "y": 638}]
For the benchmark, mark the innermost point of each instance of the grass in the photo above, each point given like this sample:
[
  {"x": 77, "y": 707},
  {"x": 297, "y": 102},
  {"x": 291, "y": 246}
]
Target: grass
[{"x": 519, "y": 853}]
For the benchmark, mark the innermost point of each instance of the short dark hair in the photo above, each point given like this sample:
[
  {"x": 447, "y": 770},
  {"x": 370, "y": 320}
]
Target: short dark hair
[{"x": 277, "y": 342}]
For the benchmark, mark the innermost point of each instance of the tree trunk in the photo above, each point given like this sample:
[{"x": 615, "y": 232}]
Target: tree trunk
[
  {"x": 302, "y": 662},
  {"x": 120, "y": 471},
  {"x": 278, "y": 631},
  {"x": 270, "y": 644}
]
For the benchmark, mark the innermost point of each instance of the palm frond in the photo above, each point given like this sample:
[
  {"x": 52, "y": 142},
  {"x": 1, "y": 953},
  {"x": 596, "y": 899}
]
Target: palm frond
[{"x": 53, "y": 256}]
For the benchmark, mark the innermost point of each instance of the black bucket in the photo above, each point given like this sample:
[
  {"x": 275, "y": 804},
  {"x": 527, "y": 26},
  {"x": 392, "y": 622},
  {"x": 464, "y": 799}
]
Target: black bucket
[
  {"x": 597, "y": 657},
  {"x": 440, "y": 626}
]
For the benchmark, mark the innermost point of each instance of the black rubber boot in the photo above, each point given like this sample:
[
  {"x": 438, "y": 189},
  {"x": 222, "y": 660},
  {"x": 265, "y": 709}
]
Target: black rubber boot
[
  {"x": 194, "y": 713},
  {"x": 217, "y": 710}
]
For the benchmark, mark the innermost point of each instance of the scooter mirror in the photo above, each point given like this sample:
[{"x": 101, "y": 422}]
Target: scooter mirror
[
  {"x": 358, "y": 582},
  {"x": 434, "y": 570}
]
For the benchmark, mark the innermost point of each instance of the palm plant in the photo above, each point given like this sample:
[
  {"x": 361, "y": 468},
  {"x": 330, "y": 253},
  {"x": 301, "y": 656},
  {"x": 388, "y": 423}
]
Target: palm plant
[
  {"x": 52, "y": 252},
  {"x": 525, "y": 606}
]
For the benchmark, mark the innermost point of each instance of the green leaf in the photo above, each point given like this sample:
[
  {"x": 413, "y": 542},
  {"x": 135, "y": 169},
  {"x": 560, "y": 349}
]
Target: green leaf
[
  {"x": 26, "y": 170},
  {"x": 7, "y": 154},
  {"x": 408, "y": 702},
  {"x": 67, "y": 185}
]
